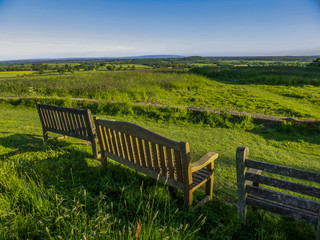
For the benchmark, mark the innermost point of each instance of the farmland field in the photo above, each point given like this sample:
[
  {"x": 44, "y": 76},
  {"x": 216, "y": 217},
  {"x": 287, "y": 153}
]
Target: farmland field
[{"x": 14, "y": 73}]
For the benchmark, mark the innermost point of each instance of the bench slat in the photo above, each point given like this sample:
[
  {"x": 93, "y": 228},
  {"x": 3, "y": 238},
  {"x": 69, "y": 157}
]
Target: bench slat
[
  {"x": 46, "y": 112},
  {"x": 170, "y": 163},
  {"x": 178, "y": 165},
  {"x": 296, "y": 214},
  {"x": 142, "y": 151},
  {"x": 163, "y": 161},
  {"x": 121, "y": 145},
  {"x": 149, "y": 155},
  {"x": 155, "y": 156},
  {"x": 130, "y": 147},
  {"x": 284, "y": 198},
  {"x": 286, "y": 171},
  {"x": 294, "y": 187},
  {"x": 125, "y": 147},
  {"x": 136, "y": 150}
]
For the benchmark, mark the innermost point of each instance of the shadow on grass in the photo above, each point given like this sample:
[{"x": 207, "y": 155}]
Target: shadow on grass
[
  {"x": 21, "y": 143},
  {"x": 72, "y": 173},
  {"x": 288, "y": 132}
]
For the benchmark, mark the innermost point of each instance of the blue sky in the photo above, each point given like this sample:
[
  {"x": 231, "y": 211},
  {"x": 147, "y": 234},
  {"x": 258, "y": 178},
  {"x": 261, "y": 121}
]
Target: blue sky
[{"x": 96, "y": 28}]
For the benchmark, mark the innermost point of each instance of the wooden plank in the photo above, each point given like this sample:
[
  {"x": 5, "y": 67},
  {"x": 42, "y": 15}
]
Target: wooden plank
[
  {"x": 170, "y": 163},
  {"x": 109, "y": 139},
  {"x": 71, "y": 126},
  {"x": 89, "y": 130},
  {"x": 43, "y": 117},
  {"x": 119, "y": 143},
  {"x": 155, "y": 156},
  {"x": 296, "y": 214},
  {"x": 163, "y": 160},
  {"x": 187, "y": 174},
  {"x": 75, "y": 123},
  {"x": 69, "y": 134},
  {"x": 56, "y": 118},
  {"x": 146, "y": 171},
  {"x": 78, "y": 124},
  {"x": 241, "y": 155},
  {"x": 102, "y": 139},
  {"x": 149, "y": 155},
  {"x": 286, "y": 171},
  {"x": 140, "y": 132},
  {"x": 284, "y": 198},
  {"x": 142, "y": 152},
  {"x": 178, "y": 165},
  {"x": 62, "y": 123},
  {"x": 85, "y": 128},
  {"x": 62, "y": 109},
  {"x": 125, "y": 146},
  {"x": 136, "y": 150},
  {"x": 65, "y": 119},
  {"x": 130, "y": 147},
  {"x": 294, "y": 187},
  {"x": 51, "y": 123},
  {"x": 105, "y": 139},
  {"x": 114, "y": 142}
]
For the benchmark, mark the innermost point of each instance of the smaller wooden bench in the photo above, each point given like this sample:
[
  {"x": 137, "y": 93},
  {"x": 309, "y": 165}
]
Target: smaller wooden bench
[
  {"x": 298, "y": 208},
  {"x": 156, "y": 156},
  {"x": 77, "y": 123}
]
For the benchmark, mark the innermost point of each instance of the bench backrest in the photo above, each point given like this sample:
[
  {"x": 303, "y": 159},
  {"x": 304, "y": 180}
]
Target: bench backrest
[
  {"x": 71, "y": 122},
  {"x": 298, "y": 208},
  {"x": 140, "y": 148}
]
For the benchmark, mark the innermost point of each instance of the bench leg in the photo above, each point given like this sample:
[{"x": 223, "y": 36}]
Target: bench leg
[
  {"x": 95, "y": 148},
  {"x": 209, "y": 188},
  {"x": 209, "y": 183},
  {"x": 104, "y": 161},
  {"x": 188, "y": 198},
  {"x": 45, "y": 136}
]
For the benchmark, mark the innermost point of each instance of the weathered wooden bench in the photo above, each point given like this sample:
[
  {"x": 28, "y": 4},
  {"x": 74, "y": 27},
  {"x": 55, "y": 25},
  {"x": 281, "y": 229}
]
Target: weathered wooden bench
[
  {"x": 156, "y": 156},
  {"x": 250, "y": 192},
  {"x": 77, "y": 123}
]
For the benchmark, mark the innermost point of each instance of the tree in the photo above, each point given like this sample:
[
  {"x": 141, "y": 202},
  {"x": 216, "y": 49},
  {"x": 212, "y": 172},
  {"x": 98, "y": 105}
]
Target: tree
[{"x": 316, "y": 62}]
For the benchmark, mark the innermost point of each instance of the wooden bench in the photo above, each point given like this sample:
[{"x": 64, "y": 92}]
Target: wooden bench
[
  {"x": 285, "y": 204},
  {"x": 77, "y": 123},
  {"x": 156, "y": 156}
]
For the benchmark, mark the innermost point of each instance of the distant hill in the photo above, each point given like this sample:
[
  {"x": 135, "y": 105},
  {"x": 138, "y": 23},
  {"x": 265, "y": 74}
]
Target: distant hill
[{"x": 50, "y": 60}]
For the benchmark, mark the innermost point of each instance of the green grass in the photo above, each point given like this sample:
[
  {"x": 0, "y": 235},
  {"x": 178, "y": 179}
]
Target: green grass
[
  {"x": 291, "y": 91},
  {"x": 58, "y": 191}
]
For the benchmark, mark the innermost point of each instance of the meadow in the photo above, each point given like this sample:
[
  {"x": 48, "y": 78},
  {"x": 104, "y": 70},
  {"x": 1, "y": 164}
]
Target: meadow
[
  {"x": 294, "y": 92},
  {"x": 58, "y": 191}
]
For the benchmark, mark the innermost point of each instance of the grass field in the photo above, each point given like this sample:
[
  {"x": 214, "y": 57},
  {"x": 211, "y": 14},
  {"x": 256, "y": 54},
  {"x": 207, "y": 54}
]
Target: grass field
[
  {"x": 294, "y": 92},
  {"x": 58, "y": 191}
]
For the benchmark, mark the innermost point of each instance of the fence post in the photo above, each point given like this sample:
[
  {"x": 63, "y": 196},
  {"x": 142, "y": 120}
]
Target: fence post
[{"x": 241, "y": 155}]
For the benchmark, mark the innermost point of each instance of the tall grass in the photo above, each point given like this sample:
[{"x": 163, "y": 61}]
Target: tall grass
[
  {"x": 58, "y": 191},
  {"x": 181, "y": 88}
]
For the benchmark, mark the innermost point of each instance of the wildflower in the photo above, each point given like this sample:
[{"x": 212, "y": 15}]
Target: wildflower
[{"x": 138, "y": 229}]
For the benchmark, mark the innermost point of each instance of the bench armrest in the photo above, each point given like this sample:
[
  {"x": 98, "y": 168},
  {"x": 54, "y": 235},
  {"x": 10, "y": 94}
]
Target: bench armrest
[{"x": 204, "y": 161}]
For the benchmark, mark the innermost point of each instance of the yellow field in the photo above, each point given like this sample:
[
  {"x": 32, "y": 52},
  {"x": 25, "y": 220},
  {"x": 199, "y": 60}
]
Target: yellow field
[{"x": 14, "y": 73}]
